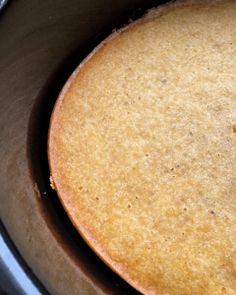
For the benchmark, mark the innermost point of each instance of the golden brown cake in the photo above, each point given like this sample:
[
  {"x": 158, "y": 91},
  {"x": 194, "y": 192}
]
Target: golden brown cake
[{"x": 142, "y": 150}]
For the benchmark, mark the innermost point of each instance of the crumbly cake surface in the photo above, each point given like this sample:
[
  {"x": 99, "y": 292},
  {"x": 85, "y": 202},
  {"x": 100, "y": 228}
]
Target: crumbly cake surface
[{"x": 142, "y": 150}]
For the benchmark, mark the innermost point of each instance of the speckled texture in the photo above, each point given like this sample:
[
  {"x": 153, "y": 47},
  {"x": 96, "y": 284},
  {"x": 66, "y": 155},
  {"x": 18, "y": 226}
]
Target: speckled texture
[{"x": 142, "y": 150}]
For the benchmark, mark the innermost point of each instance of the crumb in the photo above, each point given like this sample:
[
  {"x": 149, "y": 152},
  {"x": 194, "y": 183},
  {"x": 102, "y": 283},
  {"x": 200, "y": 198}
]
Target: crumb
[{"x": 52, "y": 183}]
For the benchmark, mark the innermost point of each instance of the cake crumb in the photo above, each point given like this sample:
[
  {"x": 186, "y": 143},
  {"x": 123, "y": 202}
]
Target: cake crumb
[{"x": 51, "y": 182}]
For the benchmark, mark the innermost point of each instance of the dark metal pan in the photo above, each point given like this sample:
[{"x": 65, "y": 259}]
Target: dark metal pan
[{"x": 41, "y": 43}]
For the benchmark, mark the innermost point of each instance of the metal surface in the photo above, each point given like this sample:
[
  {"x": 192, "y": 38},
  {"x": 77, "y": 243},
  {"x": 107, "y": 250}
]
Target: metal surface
[
  {"x": 15, "y": 276},
  {"x": 2, "y": 3},
  {"x": 41, "y": 43}
]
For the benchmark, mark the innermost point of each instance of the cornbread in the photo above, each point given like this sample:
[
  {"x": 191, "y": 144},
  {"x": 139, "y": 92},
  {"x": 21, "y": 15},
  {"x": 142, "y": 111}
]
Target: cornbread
[{"x": 142, "y": 150}]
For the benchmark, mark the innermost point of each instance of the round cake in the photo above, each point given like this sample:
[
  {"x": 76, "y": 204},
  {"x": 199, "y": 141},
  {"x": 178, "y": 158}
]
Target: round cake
[{"x": 142, "y": 150}]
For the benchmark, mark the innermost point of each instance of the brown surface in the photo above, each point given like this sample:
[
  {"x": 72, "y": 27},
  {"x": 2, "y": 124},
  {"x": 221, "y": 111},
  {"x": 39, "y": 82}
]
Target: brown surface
[{"x": 142, "y": 150}]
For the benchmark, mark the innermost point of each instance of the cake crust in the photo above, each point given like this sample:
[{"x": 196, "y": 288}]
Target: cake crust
[{"x": 142, "y": 150}]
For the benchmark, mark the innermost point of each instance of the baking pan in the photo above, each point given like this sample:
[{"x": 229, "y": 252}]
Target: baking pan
[{"x": 41, "y": 43}]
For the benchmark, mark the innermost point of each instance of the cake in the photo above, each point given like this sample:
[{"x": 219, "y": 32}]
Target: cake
[{"x": 142, "y": 149}]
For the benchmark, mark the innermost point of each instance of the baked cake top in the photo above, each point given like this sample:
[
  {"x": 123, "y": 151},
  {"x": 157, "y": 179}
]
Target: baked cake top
[{"x": 142, "y": 150}]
